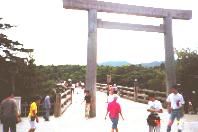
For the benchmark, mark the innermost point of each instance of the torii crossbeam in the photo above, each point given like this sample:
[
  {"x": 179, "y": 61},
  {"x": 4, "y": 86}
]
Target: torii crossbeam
[
  {"x": 94, "y": 6},
  {"x": 109, "y": 7}
]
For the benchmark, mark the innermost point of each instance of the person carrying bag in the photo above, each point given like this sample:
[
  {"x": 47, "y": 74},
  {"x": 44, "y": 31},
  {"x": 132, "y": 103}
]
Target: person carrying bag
[{"x": 153, "y": 119}]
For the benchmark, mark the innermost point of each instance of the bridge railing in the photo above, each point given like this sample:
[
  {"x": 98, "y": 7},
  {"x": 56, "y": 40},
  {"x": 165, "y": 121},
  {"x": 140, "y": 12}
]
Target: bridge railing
[
  {"x": 130, "y": 93},
  {"x": 62, "y": 102}
]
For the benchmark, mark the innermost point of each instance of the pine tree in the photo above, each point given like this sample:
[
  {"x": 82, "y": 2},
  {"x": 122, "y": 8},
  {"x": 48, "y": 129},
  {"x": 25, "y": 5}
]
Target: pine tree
[{"x": 11, "y": 60}]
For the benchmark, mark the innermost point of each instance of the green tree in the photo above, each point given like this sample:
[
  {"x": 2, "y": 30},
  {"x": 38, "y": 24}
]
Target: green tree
[
  {"x": 11, "y": 60},
  {"x": 187, "y": 73}
]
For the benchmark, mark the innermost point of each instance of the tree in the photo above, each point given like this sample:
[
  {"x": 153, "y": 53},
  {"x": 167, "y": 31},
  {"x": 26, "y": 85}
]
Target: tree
[
  {"x": 187, "y": 73},
  {"x": 11, "y": 60}
]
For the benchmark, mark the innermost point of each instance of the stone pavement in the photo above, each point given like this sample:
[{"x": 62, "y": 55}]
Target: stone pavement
[{"x": 73, "y": 119}]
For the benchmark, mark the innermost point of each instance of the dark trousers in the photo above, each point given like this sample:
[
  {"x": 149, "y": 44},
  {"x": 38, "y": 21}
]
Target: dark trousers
[
  {"x": 47, "y": 114},
  {"x": 7, "y": 125}
]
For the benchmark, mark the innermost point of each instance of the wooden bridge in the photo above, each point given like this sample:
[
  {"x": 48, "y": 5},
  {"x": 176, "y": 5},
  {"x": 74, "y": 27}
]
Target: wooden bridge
[{"x": 73, "y": 119}]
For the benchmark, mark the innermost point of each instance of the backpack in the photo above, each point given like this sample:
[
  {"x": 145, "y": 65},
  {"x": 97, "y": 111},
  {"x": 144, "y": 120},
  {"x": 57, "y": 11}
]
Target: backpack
[{"x": 153, "y": 119}]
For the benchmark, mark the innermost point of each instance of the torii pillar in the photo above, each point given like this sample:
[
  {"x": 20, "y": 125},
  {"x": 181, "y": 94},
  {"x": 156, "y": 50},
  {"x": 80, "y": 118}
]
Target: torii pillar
[
  {"x": 169, "y": 54},
  {"x": 92, "y": 59}
]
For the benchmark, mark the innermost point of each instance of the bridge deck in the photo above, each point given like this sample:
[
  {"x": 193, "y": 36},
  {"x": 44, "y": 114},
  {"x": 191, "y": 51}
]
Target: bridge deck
[{"x": 73, "y": 119}]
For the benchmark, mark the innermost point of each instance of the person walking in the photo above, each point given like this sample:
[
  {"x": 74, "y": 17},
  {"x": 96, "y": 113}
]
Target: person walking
[
  {"x": 154, "y": 107},
  {"x": 9, "y": 113},
  {"x": 110, "y": 94},
  {"x": 70, "y": 85},
  {"x": 87, "y": 99},
  {"x": 47, "y": 107},
  {"x": 33, "y": 113},
  {"x": 114, "y": 110},
  {"x": 175, "y": 102}
]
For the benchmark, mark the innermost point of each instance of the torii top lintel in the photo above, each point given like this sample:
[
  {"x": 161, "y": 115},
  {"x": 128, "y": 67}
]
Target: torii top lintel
[{"x": 109, "y": 7}]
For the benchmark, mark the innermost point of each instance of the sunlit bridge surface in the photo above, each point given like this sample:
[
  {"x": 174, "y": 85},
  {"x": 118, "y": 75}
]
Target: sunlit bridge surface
[{"x": 73, "y": 120}]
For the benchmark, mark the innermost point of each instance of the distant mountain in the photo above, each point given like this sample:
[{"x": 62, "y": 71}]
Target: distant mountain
[
  {"x": 152, "y": 64},
  {"x": 121, "y": 63},
  {"x": 114, "y": 63}
]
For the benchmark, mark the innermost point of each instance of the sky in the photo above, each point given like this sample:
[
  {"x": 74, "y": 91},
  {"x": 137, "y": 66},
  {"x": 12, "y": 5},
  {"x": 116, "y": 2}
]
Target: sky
[{"x": 59, "y": 36}]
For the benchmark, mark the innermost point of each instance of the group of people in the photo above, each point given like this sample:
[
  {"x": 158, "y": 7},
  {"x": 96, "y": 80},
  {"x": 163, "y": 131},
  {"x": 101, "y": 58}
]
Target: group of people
[
  {"x": 175, "y": 102},
  {"x": 33, "y": 111},
  {"x": 9, "y": 114}
]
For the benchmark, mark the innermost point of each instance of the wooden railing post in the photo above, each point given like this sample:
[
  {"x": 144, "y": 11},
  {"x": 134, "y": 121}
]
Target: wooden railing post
[
  {"x": 57, "y": 105},
  {"x": 63, "y": 101},
  {"x": 135, "y": 89},
  {"x": 135, "y": 93}
]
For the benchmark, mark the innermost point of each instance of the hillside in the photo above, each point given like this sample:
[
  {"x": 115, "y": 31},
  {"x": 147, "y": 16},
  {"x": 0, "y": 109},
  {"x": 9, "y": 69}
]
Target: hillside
[
  {"x": 114, "y": 63},
  {"x": 121, "y": 63}
]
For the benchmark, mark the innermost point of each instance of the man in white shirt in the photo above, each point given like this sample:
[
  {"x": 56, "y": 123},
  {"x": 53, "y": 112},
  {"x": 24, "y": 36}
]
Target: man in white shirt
[
  {"x": 175, "y": 101},
  {"x": 154, "y": 107}
]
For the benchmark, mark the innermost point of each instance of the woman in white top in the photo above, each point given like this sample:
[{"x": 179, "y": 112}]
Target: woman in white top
[{"x": 154, "y": 107}]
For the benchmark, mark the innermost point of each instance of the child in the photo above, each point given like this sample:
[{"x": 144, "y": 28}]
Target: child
[
  {"x": 154, "y": 107},
  {"x": 33, "y": 113},
  {"x": 87, "y": 98}
]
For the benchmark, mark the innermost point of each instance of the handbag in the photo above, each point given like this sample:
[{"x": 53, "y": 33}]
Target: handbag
[{"x": 153, "y": 119}]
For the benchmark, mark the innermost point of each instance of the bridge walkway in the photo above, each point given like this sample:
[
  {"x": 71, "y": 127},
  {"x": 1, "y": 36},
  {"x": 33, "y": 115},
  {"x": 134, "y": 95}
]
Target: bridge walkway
[{"x": 73, "y": 119}]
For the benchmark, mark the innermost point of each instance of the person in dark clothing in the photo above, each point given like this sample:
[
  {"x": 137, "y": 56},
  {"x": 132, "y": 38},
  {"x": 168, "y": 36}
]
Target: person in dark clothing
[
  {"x": 87, "y": 99},
  {"x": 47, "y": 107},
  {"x": 9, "y": 113},
  {"x": 70, "y": 85}
]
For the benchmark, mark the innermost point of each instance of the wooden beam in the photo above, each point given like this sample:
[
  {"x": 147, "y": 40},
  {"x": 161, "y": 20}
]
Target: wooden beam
[
  {"x": 127, "y": 26},
  {"x": 109, "y": 7}
]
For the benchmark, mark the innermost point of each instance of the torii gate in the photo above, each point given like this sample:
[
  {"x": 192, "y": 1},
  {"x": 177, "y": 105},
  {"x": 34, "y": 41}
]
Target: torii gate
[{"x": 94, "y": 6}]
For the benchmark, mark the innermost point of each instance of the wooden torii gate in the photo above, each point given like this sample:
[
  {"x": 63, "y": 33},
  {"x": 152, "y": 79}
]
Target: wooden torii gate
[{"x": 94, "y": 6}]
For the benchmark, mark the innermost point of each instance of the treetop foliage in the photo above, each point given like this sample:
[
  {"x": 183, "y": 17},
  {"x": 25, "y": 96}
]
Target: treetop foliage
[{"x": 12, "y": 63}]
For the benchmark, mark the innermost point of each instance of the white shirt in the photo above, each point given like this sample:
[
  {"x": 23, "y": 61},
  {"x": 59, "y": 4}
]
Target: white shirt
[
  {"x": 155, "y": 105},
  {"x": 176, "y": 100}
]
